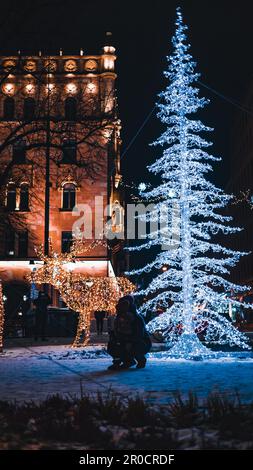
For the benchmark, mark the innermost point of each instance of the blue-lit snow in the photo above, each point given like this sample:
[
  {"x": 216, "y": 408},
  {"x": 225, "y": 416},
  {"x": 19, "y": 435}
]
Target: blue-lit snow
[{"x": 41, "y": 371}]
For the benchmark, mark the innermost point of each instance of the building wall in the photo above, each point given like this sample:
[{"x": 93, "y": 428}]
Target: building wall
[{"x": 95, "y": 128}]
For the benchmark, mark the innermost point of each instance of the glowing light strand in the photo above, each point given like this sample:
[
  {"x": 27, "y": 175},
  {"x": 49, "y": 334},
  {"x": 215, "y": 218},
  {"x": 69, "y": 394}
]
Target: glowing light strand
[
  {"x": 83, "y": 294},
  {"x": 191, "y": 290}
]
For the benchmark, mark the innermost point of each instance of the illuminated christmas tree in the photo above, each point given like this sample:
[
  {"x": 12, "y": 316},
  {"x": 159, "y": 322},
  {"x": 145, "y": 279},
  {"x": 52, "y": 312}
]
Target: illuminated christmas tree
[{"x": 191, "y": 274}]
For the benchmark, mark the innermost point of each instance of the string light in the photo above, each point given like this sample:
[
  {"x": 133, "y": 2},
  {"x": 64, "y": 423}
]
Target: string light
[
  {"x": 82, "y": 294},
  {"x": 1, "y": 317},
  {"x": 244, "y": 196},
  {"x": 191, "y": 292}
]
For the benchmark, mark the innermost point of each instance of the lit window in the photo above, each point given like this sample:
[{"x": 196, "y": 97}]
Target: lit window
[
  {"x": 109, "y": 63},
  {"x": 109, "y": 49},
  {"x": 68, "y": 196},
  {"x": 117, "y": 218}
]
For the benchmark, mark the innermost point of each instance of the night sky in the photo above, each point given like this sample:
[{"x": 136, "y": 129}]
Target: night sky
[{"x": 220, "y": 34}]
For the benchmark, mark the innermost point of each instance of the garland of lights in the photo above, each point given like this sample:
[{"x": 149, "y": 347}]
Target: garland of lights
[
  {"x": 82, "y": 294},
  {"x": 1, "y": 318}
]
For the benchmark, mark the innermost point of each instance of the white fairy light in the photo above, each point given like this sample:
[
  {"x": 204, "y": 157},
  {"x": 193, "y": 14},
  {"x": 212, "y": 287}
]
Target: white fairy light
[
  {"x": 191, "y": 291},
  {"x": 142, "y": 187},
  {"x": 171, "y": 193}
]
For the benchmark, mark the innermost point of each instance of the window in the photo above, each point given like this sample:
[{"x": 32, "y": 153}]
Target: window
[
  {"x": 22, "y": 244},
  {"x": 11, "y": 197},
  {"x": 16, "y": 243},
  {"x": 70, "y": 109},
  {"x": 24, "y": 198},
  {"x": 29, "y": 109},
  {"x": 68, "y": 196},
  {"x": 69, "y": 152},
  {"x": 10, "y": 243},
  {"x": 19, "y": 152},
  {"x": 9, "y": 108},
  {"x": 117, "y": 219},
  {"x": 66, "y": 241}
]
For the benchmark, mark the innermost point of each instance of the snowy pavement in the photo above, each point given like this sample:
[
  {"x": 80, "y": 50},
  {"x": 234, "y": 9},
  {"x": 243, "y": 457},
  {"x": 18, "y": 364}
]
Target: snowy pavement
[{"x": 37, "y": 372}]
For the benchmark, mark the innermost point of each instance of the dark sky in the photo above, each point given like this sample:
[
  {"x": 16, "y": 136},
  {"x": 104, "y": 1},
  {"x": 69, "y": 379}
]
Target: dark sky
[{"x": 220, "y": 33}]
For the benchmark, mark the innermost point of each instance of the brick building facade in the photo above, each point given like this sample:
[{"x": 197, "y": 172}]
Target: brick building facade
[{"x": 58, "y": 123}]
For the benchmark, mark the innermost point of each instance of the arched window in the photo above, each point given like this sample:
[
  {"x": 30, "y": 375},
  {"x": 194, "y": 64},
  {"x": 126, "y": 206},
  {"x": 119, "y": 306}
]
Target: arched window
[
  {"x": 68, "y": 196},
  {"x": 70, "y": 109},
  {"x": 9, "y": 108},
  {"x": 29, "y": 109},
  {"x": 11, "y": 197},
  {"x": 24, "y": 198}
]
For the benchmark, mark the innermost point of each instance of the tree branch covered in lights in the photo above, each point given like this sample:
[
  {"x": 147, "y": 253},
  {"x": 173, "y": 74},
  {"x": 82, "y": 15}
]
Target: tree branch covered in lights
[
  {"x": 195, "y": 284},
  {"x": 82, "y": 294}
]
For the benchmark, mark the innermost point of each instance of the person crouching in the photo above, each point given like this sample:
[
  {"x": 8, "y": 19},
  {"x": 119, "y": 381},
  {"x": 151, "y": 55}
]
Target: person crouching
[{"x": 127, "y": 340}]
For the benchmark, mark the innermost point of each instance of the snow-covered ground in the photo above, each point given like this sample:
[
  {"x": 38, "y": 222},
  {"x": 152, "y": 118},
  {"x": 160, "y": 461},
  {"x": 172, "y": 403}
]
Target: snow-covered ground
[{"x": 36, "y": 372}]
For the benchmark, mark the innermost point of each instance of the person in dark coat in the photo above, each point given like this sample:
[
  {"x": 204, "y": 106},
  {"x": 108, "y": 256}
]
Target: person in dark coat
[
  {"x": 41, "y": 315},
  {"x": 129, "y": 341},
  {"x": 100, "y": 316},
  {"x": 141, "y": 339},
  {"x": 117, "y": 337}
]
